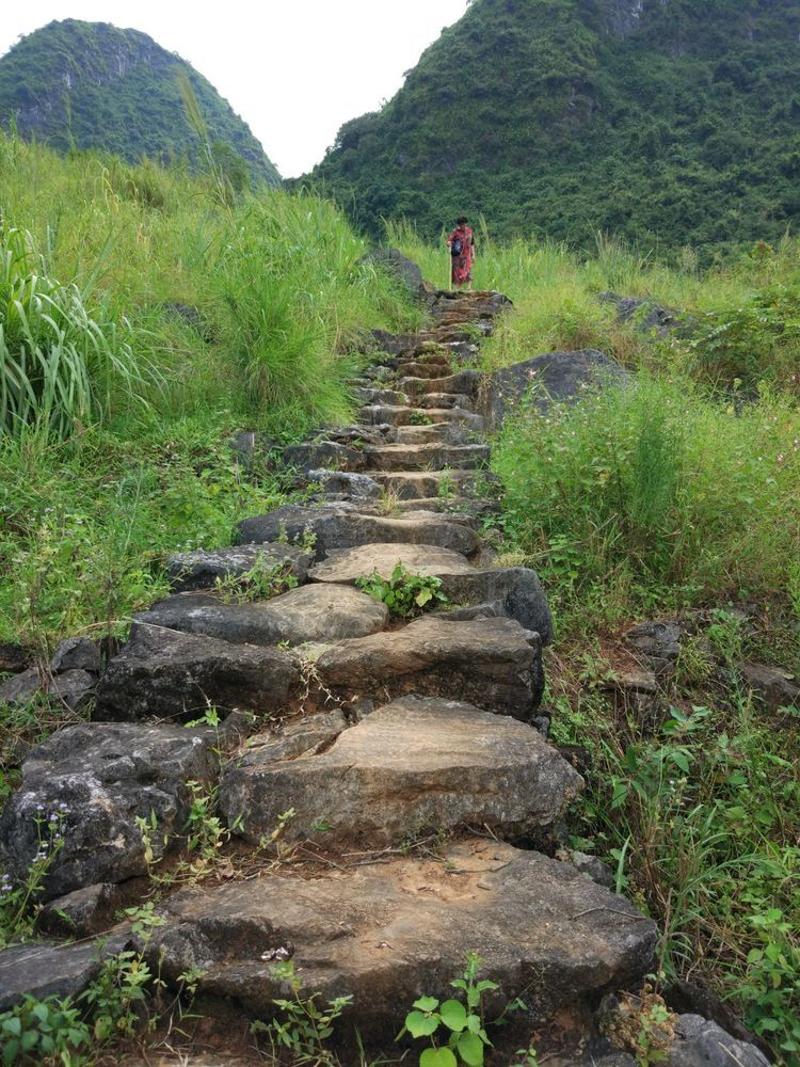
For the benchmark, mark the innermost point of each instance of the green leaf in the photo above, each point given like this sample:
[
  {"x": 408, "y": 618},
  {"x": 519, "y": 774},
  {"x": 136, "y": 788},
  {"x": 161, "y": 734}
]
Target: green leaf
[
  {"x": 419, "y": 1025},
  {"x": 426, "y": 1004},
  {"x": 470, "y": 1049},
  {"x": 13, "y": 1025},
  {"x": 453, "y": 1015},
  {"x": 437, "y": 1057},
  {"x": 422, "y": 597}
]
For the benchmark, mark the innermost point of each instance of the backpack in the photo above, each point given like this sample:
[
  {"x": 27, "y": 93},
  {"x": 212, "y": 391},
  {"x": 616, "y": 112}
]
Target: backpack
[{"x": 456, "y": 246}]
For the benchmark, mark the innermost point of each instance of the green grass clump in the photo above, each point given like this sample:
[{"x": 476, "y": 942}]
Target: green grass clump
[{"x": 650, "y": 486}]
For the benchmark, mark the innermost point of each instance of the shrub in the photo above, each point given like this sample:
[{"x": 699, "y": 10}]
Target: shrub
[{"x": 404, "y": 594}]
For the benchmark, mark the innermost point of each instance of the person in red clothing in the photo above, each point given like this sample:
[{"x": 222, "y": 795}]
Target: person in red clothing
[{"x": 462, "y": 253}]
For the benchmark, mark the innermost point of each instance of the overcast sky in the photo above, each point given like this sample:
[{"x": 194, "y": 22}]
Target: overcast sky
[{"x": 295, "y": 70}]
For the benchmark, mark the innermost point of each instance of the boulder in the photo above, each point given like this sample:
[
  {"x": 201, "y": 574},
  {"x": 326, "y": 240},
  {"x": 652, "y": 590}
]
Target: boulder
[
  {"x": 72, "y": 688},
  {"x": 415, "y": 766},
  {"x": 308, "y": 613},
  {"x": 393, "y": 262},
  {"x": 77, "y": 653},
  {"x": 45, "y": 969},
  {"x": 646, "y": 314},
  {"x": 494, "y": 664},
  {"x": 14, "y": 657},
  {"x": 659, "y": 642},
  {"x": 776, "y": 687},
  {"x": 699, "y": 1043},
  {"x": 201, "y": 569},
  {"x": 83, "y": 790},
  {"x": 81, "y": 913},
  {"x": 337, "y": 527},
  {"x": 162, "y": 673},
  {"x": 388, "y": 932},
  {"x": 547, "y": 379}
]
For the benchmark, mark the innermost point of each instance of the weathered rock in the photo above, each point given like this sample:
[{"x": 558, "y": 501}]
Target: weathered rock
[
  {"x": 511, "y": 592},
  {"x": 646, "y": 314},
  {"x": 323, "y": 454},
  {"x": 406, "y": 416},
  {"x": 308, "y": 613},
  {"x": 43, "y": 969},
  {"x": 14, "y": 657},
  {"x": 415, "y": 485},
  {"x": 165, "y": 674},
  {"x": 201, "y": 569},
  {"x": 335, "y": 527},
  {"x": 400, "y": 267},
  {"x": 346, "y": 565},
  {"x": 547, "y": 379},
  {"x": 593, "y": 868},
  {"x": 81, "y": 913},
  {"x": 463, "y": 383},
  {"x": 691, "y": 998},
  {"x": 776, "y": 687},
  {"x": 699, "y": 1043},
  {"x": 411, "y": 457},
  {"x": 354, "y": 486},
  {"x": 385, "y": 933},
  {"x": 87, "y": 785},
  {"x": 414, "y": 766},
  {"x": 254, "y": 450},
  {"x": 72, "y": 688},
  {"x": 659, "y": 642},
  {"x": 77, "y": 653},
  {"x": 494, "y": 664}
]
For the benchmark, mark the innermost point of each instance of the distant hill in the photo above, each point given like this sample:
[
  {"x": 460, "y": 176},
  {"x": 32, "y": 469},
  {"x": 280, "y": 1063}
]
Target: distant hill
[
  {"x": 661, "y": 120},
  {"x": 91, "y": 85}
]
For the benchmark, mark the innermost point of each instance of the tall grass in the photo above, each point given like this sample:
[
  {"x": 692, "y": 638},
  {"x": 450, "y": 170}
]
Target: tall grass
[{"x": 651, "y": 484}]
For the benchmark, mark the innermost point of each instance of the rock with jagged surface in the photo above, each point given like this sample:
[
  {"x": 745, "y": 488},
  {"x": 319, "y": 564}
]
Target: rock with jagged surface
[
  {"x": 188, "y": 571},
  {"x": 415, "y": 766}
]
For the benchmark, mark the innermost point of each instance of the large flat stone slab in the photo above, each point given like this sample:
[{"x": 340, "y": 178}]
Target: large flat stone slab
[
  {"x": 43, "y": 969},
  {"x": 494, "y": 664},
  {"x": 463, "y": 383},
  {"x": 514, "y": 592},
  {"x": 87, "y": 785},
  {"x": 417, "y": 485},
  {"x": 424, "y": 457},
  {"x": 337, "y": 527},
  {"x": 201, "y": 569},
  {"x": 309, "y": 613},
  {"x": 413, "y": 767},
  {"x": 162, "y": 673},
  {"x": 389, "y": 932},
  {"x": 406, "y": 416}
]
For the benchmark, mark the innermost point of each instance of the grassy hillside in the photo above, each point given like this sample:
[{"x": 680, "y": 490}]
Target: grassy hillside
[
  {"x": 89, "y": 85},
  {"x": 661, "y": 122},
  {"x": 143, "y": 322}
]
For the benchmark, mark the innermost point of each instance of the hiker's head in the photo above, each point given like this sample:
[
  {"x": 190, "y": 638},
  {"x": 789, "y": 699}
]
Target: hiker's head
[{"x": 462, "y": 221}]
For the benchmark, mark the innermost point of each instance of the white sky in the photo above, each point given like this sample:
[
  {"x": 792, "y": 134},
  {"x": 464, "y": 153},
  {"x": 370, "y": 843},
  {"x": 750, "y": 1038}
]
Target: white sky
[{"x": 295, "y": 70}]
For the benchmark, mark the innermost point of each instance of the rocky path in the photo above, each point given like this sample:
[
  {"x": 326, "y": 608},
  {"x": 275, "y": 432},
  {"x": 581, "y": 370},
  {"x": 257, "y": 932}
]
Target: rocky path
[{"x": 393, "y": 804}]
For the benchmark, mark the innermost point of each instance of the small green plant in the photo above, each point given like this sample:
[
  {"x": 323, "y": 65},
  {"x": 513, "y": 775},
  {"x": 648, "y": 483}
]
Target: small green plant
[
  {"x": 643, "y": 1025},
  {"x": 262, "y": 581},
  {"x": 18, "y": 901},
  {"x": 205, "y": 832},
  {"x": 455, "y": 1028},
  {"x": 44, "y": 1033},
  {"x": 419, "y": 418},
  {"x": 405, "y": 594},
  {"x": 305, "y": 1026},
  {"x": 772, "y": 982},
  {"x": 116, "y": 998}
]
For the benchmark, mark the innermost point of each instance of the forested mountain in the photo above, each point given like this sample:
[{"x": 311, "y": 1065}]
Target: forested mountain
[
  {"x": 91, "y": 85},
  {"x": 665, "y": 120}
]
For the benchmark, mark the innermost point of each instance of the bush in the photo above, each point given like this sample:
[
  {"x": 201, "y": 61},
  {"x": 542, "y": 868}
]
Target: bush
[{"x": 654, "y": 485}]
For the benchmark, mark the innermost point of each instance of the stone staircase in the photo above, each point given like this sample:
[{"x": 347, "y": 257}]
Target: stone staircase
[{"x": 422, "y": 802}]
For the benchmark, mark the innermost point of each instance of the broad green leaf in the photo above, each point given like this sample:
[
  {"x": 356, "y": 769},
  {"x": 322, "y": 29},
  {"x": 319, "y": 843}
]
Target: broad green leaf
[
  {"x": 454, "y": 1015},
  {"x": 437, "y": 1057},
  {"x": 13, "y": 1026},
  {"x": 423, "y": 596},
  {"x": 426, "y": 1004},
  {"x": 419, "y": 1025},
  {"x": 470, "y": 1049}
]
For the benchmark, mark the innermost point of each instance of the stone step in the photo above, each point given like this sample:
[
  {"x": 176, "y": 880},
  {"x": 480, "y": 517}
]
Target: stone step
[
  {"x": 394, "y": 458},
  {"x": 336, "y": 527},
  {"x": 428, "y": 369},
  {"x": 386, "y": 932},
  {"x": 414, "y": 485},
  {"x": 513, "y": 592},
  {"x": 202, "y": 569},
  {"x": 367, "y": 395},
  {"x": 445, "y": 400},
  {"x": 494, "y": 664},
  {"x": 165, "y": 674},
  {"x": 413, "y": 767},
  {"x": 309, "y": 613},
  {"x": 464, "y": 382},
  {"x": 445, "y": 432},
  {"x": 408, "y": 416}
]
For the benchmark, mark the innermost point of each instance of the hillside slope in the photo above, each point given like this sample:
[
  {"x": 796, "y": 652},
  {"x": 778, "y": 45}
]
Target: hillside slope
[
  {"x": 656, "y": 119},
  {"x": 92, "y": 86}
]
